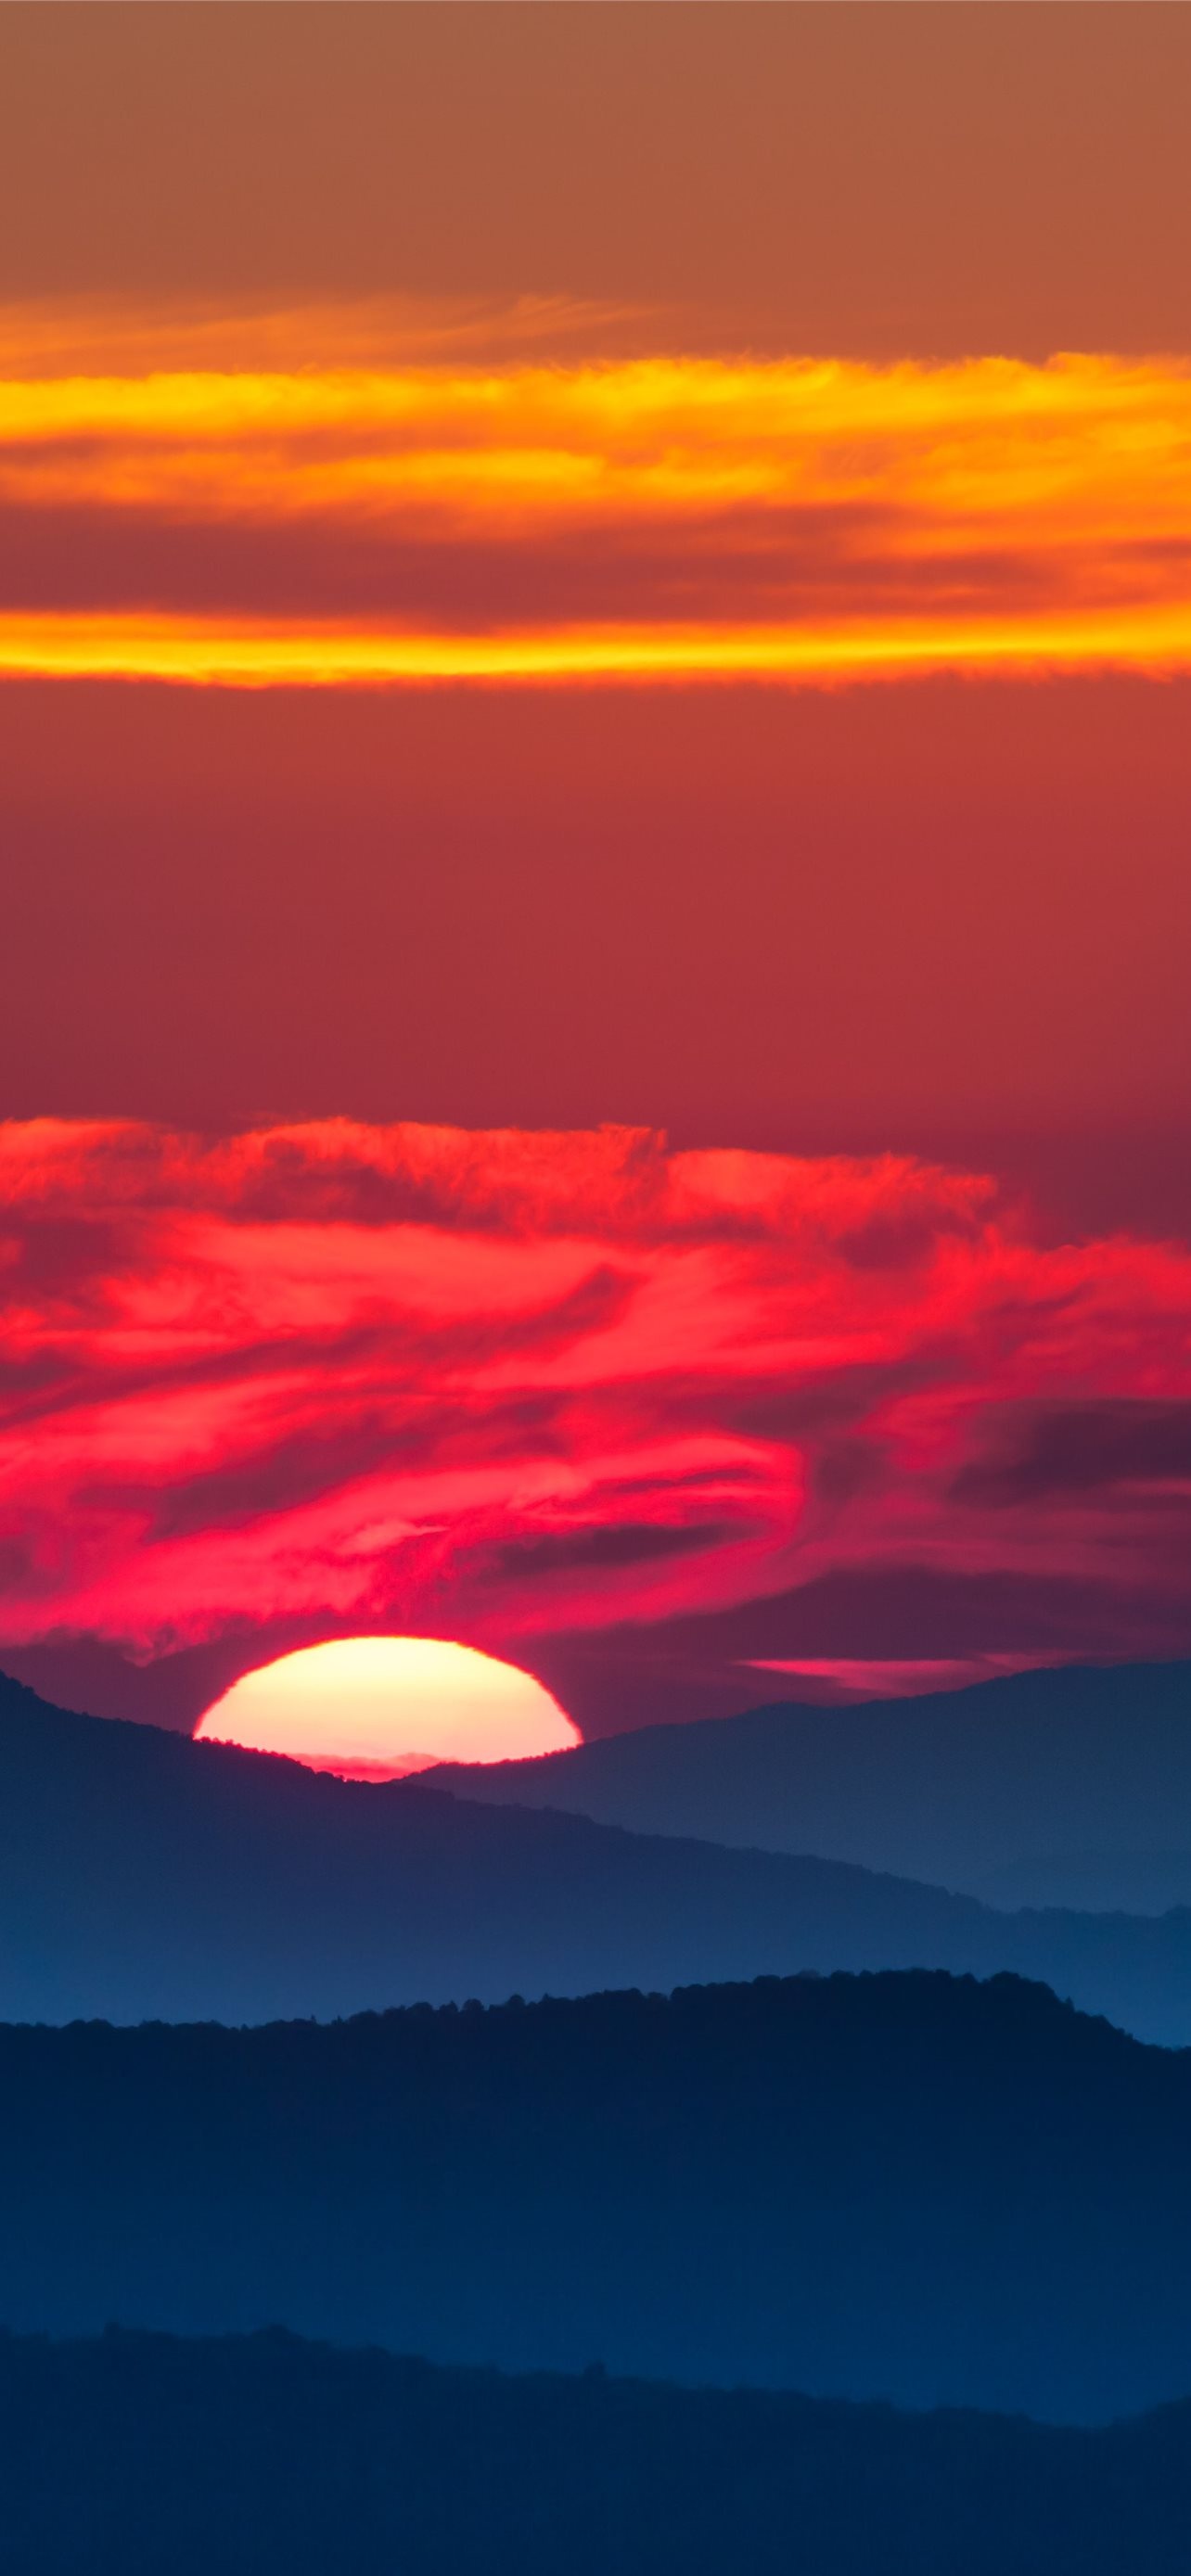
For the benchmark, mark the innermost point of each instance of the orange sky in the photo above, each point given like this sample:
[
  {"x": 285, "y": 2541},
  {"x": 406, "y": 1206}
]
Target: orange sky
[
  {"x": 876, "y": 181},
  {"x": 353, "y": 359}
]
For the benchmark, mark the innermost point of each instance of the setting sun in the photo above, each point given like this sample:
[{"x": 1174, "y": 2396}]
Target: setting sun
[{"x": 374, "y": 1708}]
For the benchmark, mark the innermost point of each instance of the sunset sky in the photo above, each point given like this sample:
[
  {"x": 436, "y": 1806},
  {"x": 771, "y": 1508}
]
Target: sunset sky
[{"x": 595, "y": 778}]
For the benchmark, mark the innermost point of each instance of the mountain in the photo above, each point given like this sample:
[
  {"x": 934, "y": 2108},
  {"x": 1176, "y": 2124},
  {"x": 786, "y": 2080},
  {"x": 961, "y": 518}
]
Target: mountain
[
  {"x": 1040, "y": 1770},
  {"x": 912, "y": 2187},
  {"x": 143, "y": 1876},
  {"x": 141, "y": 2455},
  {"x": 1150, "y": 1882}
]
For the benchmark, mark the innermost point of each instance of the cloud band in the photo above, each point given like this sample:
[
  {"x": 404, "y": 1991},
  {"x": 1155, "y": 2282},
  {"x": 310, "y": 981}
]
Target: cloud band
[{"x": 373, "y": 520}]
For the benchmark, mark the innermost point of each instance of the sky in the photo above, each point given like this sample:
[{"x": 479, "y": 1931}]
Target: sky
[{"x": 595, "y": 702}]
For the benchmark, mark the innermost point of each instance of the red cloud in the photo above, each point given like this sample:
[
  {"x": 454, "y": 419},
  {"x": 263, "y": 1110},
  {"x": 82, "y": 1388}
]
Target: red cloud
[{"x": 517, "y": 1387}]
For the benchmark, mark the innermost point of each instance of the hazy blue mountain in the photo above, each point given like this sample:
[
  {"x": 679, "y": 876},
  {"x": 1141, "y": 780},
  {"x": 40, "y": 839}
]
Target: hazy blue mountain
[
  {"x": 955, "y": 1788},
  {"x": 141, "y": 2455},
  {"x": 144, "y": 1876},
  {"x": 913, "y": 2187},
  {"x": 1150, "y": 1882}
]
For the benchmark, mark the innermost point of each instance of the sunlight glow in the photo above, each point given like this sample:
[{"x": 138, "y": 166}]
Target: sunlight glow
[
  {"x": 667, "y": 517},
  {"x": 252, "y": 655},
  {"x": 375, "y": 1708}
]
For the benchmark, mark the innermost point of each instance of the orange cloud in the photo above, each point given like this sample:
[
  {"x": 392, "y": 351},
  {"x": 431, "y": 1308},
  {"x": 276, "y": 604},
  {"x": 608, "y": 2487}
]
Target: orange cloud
[
  {"x": 354, "y": 516},
  {"x": 519, "y": 1386}
]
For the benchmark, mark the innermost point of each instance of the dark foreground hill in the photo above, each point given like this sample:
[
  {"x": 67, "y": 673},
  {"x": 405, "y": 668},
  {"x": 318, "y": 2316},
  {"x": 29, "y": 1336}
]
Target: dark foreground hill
[
  {"x": 907, "y": 2187},
  {"x": 1047, "y": 1788},
  {"x": 143, "y": 2456},
  {"x": 143, "y": 1876}
]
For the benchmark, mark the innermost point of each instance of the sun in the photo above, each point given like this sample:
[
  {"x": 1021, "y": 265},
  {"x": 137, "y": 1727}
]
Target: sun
[{"x": 375, "y": 1708}]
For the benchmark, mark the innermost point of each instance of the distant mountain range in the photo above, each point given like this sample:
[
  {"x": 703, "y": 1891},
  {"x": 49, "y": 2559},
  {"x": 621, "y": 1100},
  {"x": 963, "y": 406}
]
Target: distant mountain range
[
  {"x": 1063, "y": 1787},
  {"x": 913, "y": 2187},
  {"x": 143, "y": 1876},
  {"x": 141, "y": 2455}
]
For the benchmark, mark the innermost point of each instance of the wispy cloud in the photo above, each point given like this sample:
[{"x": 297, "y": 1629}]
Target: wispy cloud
[
  {"x": 338, "y": 508},
  {"x": 514, "y": 1386}
]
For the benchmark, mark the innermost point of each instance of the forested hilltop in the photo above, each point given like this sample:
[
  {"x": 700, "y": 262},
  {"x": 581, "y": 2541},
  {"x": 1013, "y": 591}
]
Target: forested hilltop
[{"x": 907, "y": 2186}]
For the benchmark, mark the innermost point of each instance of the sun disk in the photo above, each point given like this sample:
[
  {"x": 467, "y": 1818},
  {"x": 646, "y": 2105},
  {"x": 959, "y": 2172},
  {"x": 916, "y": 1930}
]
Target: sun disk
[{"x": 375, "y": 1708}]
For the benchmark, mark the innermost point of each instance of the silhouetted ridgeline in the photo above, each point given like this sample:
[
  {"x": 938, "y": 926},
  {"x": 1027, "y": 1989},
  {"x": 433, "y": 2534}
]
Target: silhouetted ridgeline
[
  {"x": 1049, "y": 1788},
  {"x": 910, "y": 2187},
  {"x": 139, "y": 2456},
  {"x": 142, "y": 1875}
]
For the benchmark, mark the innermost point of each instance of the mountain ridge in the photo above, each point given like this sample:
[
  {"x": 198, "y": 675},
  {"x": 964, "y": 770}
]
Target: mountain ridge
[
  {"x": 146, "y": 1877},
  {"x": 953, "y": 1787},
  {"x": 908, "y": 2186},
  {"x": 136, "y": 2452}
]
